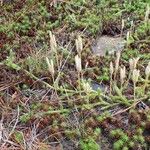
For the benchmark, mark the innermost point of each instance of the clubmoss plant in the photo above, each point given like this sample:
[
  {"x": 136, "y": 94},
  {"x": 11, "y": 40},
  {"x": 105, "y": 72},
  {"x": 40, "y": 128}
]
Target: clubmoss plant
[{"x": 89, "y": 144}]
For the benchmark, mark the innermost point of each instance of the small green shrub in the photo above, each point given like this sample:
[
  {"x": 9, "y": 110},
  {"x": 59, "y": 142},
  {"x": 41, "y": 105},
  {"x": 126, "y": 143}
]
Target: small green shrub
[{"x": 89, "y": 144}]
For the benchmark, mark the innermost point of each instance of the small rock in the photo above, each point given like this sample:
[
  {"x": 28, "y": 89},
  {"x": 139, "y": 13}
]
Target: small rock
[
  {"x": 95, "y": 86},
  {"x": 107, "y": 44}
]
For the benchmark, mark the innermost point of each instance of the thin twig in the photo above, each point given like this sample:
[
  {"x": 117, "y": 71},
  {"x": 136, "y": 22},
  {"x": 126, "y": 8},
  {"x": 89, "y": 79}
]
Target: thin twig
[
  {"x": 11, "y": 132},
  {"x": 133, "y": 105}
]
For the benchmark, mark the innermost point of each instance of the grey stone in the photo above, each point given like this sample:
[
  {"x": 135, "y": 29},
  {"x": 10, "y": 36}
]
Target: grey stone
[{"x": 106, "y": 44}]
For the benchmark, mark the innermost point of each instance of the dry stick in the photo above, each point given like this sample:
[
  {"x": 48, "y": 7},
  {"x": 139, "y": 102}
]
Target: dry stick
[
  {"x": 1, "y": 128},
  {"x": 133, "y": 105},
  {"x": 8, "y": 85},
  {"x": 11, "y": 132}
]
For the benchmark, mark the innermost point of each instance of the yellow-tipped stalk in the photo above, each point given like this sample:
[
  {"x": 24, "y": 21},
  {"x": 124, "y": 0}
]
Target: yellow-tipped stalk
[
  {"x": 122, "y": 26},
  {"x": 128, "y": 38},
  {"x": 111, "y": 68},
  {"x": 53, "y": 43},
  {"x": 133, "y": 63},
  {"x": 50, "y": 65},
  {"x": 78, "y": 68},
  {"x": 78, "y": 63},
  {"x": 132, "y": 27},
  {"x": 86, "y": 87},
  {"x": 147, "y": 73},
  {"x": 118, "y": 54},
  {"x": 122, "y": 75},
  {"x": 135, "y": 77},
  {"x": 79, "y": 45},
  {"x": 53, "y": 46}
]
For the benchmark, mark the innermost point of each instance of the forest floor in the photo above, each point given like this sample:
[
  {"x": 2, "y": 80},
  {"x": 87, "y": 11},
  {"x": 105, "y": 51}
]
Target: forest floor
[{"x": 74, "y": 75}]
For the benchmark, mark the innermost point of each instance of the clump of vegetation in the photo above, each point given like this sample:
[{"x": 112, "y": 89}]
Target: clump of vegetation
[
  {"x": 88, "y": 144},
  {"x": 54, "y": 90}
]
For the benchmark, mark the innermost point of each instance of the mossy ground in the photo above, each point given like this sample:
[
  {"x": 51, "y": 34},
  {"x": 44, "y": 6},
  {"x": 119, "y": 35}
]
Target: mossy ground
[{"x": 41, "y": 112}]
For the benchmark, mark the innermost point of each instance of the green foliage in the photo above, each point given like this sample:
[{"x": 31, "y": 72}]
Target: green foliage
[
  {"x": 91, "y": 22},
  {"x": 123, "y": 141},
  {"x": 43, "y": 11},
  {"x": 125, "y": 148},
  {"x": 10, "y": 61},
  {"x": 103, "y": 116},
  {"x": 18, "y": 136},
  {"x": 35, "y": 64},
  {"x": 131, "y": 144},
  {"x": 105, "y": 75},
  {"x": 135, "y": 7},
  {"x": 88, "y": 144},
  {"x": 25, "y": 117},
  {"x": 118, "y": 145},
  {"x": 118, "y": 133},
  {"x": 130, "y": 53},
  {"x": 85, "y": 17},
  {"x": 142, "y": 30},
  {"x": 97, "y": 133}
]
